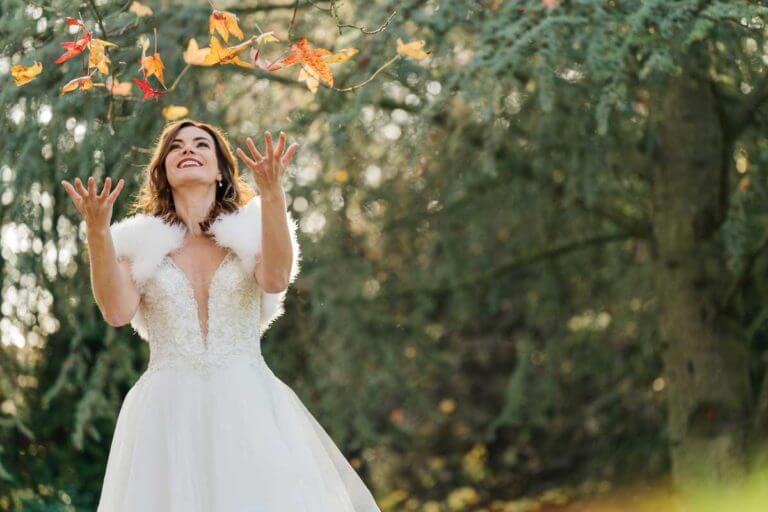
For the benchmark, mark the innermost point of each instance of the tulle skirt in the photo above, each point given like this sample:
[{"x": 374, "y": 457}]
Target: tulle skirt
[{"x": 235, "y": 439}]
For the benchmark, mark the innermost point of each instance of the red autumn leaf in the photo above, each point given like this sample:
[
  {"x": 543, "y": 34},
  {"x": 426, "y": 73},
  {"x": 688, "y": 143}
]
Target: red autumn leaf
[
  {"x": 147, "y": 89},
  {"x": 74, "y": 47},
  {"x": 74, "y": 21}
]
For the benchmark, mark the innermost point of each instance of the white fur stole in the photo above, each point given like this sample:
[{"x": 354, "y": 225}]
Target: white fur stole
[{"x": 145, "y": 240}]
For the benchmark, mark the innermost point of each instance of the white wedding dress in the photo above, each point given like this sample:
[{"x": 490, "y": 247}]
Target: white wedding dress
[{"x": 208, "y": 427}]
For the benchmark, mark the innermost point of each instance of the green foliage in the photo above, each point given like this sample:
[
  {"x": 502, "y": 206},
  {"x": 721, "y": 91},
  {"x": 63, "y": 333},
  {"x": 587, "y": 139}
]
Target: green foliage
[{"x": 475, "y": 317}]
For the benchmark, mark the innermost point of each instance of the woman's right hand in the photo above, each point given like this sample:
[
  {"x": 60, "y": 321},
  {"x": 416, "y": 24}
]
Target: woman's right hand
[{"x": 96, "y": 209}]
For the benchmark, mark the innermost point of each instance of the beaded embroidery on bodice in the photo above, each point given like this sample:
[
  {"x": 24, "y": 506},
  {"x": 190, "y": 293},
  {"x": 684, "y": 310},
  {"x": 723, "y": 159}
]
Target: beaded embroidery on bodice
[{"x": 173, "y": 324}]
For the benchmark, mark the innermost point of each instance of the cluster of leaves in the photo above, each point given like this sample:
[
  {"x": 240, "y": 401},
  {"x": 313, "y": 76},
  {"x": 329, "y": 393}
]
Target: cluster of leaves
[{"x": 314, "y": 61}]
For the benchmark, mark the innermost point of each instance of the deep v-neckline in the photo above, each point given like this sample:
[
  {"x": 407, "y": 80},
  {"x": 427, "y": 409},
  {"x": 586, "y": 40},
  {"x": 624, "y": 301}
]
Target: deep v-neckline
[{"x": 188, "y": 282}]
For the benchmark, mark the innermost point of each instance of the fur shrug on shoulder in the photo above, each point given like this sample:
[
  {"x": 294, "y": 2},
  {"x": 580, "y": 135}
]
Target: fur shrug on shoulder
[{"x": 145, "y": 240}]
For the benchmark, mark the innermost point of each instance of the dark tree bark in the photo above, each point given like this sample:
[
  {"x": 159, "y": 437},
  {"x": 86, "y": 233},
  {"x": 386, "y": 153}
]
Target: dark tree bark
[{"x": 703, "y": 347}]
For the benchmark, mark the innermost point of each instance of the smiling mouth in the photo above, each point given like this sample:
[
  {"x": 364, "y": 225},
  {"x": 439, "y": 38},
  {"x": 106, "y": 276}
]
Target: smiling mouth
[{"x": 189, "y": 163}]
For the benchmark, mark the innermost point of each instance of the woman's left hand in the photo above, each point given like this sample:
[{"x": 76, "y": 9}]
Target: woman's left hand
[{"x": 268, "y": 170}]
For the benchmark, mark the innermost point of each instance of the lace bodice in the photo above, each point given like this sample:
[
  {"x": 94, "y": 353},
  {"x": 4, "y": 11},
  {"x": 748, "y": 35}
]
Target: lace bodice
[{"x": 170, "y": 312}]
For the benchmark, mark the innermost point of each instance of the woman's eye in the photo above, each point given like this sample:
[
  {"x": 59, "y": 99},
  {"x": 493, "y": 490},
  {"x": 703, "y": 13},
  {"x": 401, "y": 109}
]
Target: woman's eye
[{"x": 176, "y": 146}]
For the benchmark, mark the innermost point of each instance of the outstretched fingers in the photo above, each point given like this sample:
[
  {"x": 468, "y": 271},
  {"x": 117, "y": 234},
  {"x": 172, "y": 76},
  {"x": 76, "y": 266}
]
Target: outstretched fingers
[
  {"x": 120, "y": 184},
  {"x": 105, "y": 189},
  {"x": 280, "y": 144},
  {"x": 80, "y": 188},
  {"x": 286, "y": 159},
  {"x": 72, "y": 193}
]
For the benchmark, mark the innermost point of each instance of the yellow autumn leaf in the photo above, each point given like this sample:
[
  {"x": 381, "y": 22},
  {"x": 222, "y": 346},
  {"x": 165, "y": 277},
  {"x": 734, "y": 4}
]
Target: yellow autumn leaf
[
  {"x": 310, "y": 81},
  {"x": 340, "y": 56},
  {"x": 228, "y": 54},
  {"x": 118, "y": 88},
  {"x": 83, "y": 82},
  {"x": 173, "y": 112},
  {"x": 140, "y": 10},
  {"x": 97, "y": 57},
  {"x": 412, "y": 49},
  {"x": 341, "y": 175},
  {"x": 267, "y": 37},
  {"x": 25, "y": 74},
  {"x": 153, "y": 65},
  {"x": 224, "y": 23},
  {"x": 194, "y": 55}
]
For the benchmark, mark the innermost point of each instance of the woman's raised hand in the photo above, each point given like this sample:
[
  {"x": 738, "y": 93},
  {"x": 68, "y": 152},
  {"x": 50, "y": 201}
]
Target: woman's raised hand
[
  {"x": 96, "y": 209},
  {"x": 268, "y": 169}
]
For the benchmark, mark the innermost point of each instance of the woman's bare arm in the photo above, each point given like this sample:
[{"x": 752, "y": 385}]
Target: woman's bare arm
[{"x": 113, "y": 288}]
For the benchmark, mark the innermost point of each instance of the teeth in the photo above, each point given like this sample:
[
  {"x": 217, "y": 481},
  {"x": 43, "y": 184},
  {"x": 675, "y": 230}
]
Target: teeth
[{"x": 190, "y": 164}]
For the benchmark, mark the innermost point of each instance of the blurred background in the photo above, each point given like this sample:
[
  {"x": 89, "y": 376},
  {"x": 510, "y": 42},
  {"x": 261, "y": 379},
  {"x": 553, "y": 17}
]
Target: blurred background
[{"x": 534, "y": 239}]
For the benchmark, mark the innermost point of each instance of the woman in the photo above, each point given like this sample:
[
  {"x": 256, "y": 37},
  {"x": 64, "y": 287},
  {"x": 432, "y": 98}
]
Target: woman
[{"x": 200, "y": 272}]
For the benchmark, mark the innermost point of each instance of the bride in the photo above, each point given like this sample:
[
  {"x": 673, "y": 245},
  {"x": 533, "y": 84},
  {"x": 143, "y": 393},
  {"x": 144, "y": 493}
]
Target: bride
[{"x": 200, "y": 272}]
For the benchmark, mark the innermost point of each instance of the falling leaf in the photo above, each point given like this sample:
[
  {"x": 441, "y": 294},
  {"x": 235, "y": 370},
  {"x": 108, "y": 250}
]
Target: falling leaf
[
  {"x": 97, "y": 58},
  {"x": 412, "y": 49},
  {"x": 341, "y": 55},
  {"x": 74, "y": 21},
  {"x": 173, "y": 112},
  {"x": 118, "y": 88},
  {"x": 153, "y": 65},
  {"x": 25, "y": 74},
  {"x": 83, "y": 82},
  {"x": 494, "y": 4},
  {"x": 311, "y": 59},
  {"x": 744, "y": 184},
  {"x": 267, "y": 37},
  {"x": 311, "y": 82},
  {"x": 146, "y": 88},
  {"x": 74, "y": 47},
  {"x": 341, "y": 175},
  {"x": 550, "y": 4},
  {"x": 194, "y": 55},
  {"x": 224, "y": 23},
  {"x": 140, "y": 10},
  {"x": 227, "y": 54}
]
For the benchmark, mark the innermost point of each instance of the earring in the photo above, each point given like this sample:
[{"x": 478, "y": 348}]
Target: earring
[{"x": 221, "y": 183}]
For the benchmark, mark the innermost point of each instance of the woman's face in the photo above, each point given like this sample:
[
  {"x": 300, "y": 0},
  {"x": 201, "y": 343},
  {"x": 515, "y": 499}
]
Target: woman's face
[{"x": 192, "y": 158}]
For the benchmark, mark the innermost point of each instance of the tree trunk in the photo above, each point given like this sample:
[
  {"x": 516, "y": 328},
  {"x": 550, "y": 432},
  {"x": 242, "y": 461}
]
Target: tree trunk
[{"x": 705, "y": 357}]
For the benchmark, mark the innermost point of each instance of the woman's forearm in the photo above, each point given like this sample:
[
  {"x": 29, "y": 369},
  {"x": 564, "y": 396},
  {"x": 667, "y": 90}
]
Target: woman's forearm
[
  {"x": 113, "y": 289},
  {"x": 277, "y": 252}
]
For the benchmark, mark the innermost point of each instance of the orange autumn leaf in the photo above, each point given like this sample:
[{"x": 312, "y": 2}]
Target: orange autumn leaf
[
  {"x": 118, "y": 88},
  {"x": 341, "y": 55},
  {"x": 194, "y": 55},
  {"x": 97, "y": 58},
  {"x": 311, "y": 59},
  {"x": 173, "y": 112},
  {"x": 224, "y": 23},
  {"x": 147, "y": 89},
  {"x": 310, "y": 81},
  {"x": 74, "y": 47},
  {"x": 412, "y": 49},
  {"x": 140, "y": 10},
  {"x": 153, "y": 65},
  {"x": 83, "y": 82},
  {"x": 25, "y": 74},
  {"x": 744, "y": 184},
  {"x": 227, "y": 54}
]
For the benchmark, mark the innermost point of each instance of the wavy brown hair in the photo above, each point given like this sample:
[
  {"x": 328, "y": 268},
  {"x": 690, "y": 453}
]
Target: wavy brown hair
[{"x": 154, "y": 196}]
